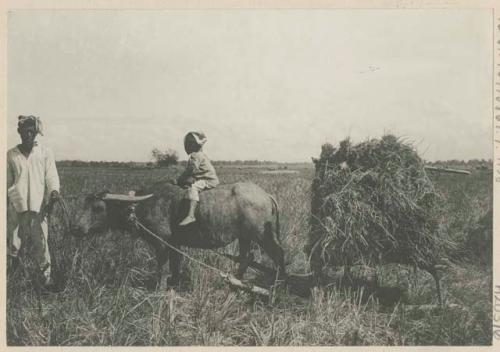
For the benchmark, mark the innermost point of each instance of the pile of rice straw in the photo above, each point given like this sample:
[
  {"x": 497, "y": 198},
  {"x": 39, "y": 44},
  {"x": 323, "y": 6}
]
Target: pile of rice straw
[{"x": 373, "y": 203}]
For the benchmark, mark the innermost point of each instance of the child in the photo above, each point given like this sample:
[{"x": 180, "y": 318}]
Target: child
[{"x": 199, "y": 173}]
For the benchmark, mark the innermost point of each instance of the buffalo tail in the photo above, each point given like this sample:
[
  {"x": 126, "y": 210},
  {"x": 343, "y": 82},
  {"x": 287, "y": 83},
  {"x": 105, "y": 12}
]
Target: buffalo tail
[{"x": 277, "y": 213}]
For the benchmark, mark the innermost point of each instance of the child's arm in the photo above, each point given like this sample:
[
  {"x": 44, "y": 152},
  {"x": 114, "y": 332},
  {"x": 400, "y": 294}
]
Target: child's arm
[
  {"x": 186, "y": 178},
  {"x": 194, "y": 163}
]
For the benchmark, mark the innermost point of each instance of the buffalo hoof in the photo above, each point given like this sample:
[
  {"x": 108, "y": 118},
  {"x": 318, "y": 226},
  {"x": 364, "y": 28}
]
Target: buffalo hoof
[
  {"x": 52, "y": 287},
  {"x": 13, "y": 264},
  {"x": 282, "y": 276},
  {"x": 173, "y": 281}
]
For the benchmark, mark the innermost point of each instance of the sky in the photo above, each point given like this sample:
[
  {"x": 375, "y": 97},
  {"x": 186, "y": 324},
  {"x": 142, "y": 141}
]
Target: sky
[{"x": 262, "y": 84}]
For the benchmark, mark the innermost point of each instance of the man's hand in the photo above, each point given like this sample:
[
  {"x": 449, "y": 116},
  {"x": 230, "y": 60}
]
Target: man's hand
[{"x": 54, "y": 197}]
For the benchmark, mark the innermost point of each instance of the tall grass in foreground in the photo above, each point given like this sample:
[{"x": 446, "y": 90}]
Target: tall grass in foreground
[
  {"x": 88, "y": 313},
  {"x": 107, "y": 301}
]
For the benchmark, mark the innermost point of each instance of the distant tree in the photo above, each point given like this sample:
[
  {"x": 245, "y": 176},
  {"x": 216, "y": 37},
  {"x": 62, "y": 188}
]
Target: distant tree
[{"x": 166, "y": 157}]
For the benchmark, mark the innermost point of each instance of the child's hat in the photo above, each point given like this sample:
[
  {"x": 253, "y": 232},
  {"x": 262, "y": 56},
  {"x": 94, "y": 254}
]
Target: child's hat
[{"x": 199, "y": 137}]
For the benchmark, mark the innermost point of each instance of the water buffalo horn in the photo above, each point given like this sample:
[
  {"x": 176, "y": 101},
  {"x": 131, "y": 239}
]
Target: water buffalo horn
[{"x": 126, "y": 197}]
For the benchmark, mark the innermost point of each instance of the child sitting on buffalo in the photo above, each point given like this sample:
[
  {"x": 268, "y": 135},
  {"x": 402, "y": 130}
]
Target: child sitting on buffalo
[{"x": 199, "y": 174}]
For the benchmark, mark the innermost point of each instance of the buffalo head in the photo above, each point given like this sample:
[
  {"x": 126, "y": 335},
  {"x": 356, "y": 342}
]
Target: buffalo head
[{"x": 103, "y": 211}]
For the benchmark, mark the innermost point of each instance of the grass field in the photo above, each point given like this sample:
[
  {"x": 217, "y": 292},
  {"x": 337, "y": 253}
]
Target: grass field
[{"x": 106, "y": 303}]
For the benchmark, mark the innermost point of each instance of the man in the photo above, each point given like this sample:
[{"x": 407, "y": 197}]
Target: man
[{"x": 31, "y": 171}]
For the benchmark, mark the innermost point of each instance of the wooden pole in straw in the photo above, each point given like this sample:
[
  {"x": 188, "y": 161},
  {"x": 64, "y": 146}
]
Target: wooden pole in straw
[{"x": 451, "y": 171}]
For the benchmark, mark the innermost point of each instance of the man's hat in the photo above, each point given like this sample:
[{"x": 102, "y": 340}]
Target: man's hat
[{"x": 23, "y": 120}]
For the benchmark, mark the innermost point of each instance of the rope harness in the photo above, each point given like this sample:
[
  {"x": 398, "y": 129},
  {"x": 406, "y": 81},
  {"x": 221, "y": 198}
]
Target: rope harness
[
  {"x": 48, "y": 211},
  {"x": 134, "y": 221},
  {"x": 132, "y": 218}
]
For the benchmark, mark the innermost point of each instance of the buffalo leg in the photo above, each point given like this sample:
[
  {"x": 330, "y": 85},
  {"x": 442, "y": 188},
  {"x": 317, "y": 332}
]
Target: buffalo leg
[
  {"x": 274, "y": 250},
  {"x": 244, "y": 258},
  {"x": 161, "y": 259},
  {"x": 347, "y": 278},
  {"x": 316, "y": 263},
  {"x": 437, "y": 279},
  {"x": 174, "y": 265}
]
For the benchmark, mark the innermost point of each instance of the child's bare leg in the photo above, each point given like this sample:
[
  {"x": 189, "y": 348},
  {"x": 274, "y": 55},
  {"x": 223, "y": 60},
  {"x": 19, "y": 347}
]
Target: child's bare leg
[
  {"x": 190, "y": 217},
  {"x": 194, "y": 198}
]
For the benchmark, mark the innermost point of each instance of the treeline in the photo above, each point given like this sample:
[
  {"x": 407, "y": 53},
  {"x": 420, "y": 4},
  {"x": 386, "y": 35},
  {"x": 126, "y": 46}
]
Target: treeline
[
  {"x": 154, "y": 164},
  {"x": 117, "y": 164},
  {"x": 245, "y": 162},
  {"x": 458, "y": 164}
]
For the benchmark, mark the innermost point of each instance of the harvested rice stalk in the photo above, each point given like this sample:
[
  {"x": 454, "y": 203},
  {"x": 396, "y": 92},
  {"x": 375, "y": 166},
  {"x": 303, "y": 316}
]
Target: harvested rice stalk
[{"x": 373, "y": 203}]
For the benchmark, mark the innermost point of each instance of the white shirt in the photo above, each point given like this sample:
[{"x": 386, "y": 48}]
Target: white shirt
[{"x": 29, "y": 177}]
